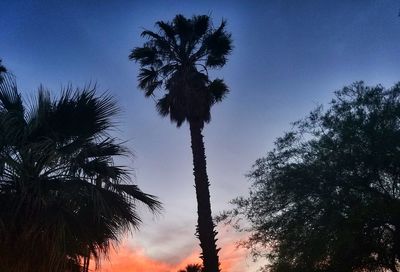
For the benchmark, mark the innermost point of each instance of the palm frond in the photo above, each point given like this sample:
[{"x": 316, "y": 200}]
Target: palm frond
[
  {"x": 201, "y": 24},
  {"x": 151, "y": 35},
  {"x": 80, "y": 113},
  {"x": 183, "y": 28},
  {"x": 146, "y": 55},
  {"x": 167, "y": 29},
  {"x": 219, "y": 46},
  {"x": 10, "y": 99},
  {"x": 148, "y": 80},
  {"x": 218, "y": 90},
  {"x": 133, "y": 191},
  {"x": 163, "y": 105},
  {"x": 107, "y": 147},
  {"x": 12, "y": 112},
  {"x": 167, "y": 70}
]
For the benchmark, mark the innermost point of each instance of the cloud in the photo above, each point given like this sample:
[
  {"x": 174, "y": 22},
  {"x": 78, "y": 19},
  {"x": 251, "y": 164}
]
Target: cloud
[
  {"x": 135, "y": 258},
  {"x": 126, "y": 259},
  {"x": 158, "y": 244}
]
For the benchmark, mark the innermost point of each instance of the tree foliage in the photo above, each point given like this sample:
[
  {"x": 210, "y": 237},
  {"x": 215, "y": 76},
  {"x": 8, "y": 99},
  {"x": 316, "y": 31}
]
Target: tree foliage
[
  {"x": 327, "y": 198},
  {"x": 177, "y": 59},
  {"x": 62, "y": 198}
]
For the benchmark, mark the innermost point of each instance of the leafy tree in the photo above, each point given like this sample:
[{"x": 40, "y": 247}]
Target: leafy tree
[
  {"x": 192, "y": 268},
  {"x": 176, "y": 59},
  {"x": 62, "y": 198},
  {"x": 327, "y": 198}
]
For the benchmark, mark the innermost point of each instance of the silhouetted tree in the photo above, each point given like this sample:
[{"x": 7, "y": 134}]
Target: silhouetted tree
[
  {"x": 176, "y": 59},
  {"x": 327, "y": 198},
  {"x": 192, "y": 268},
  {"x": 62, "y": 198}
]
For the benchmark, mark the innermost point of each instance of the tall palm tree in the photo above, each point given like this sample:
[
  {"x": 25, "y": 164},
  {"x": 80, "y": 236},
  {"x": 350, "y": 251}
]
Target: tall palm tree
[
  {"x": 177, "y": 59},
  {"x": 62, "y": 198}
]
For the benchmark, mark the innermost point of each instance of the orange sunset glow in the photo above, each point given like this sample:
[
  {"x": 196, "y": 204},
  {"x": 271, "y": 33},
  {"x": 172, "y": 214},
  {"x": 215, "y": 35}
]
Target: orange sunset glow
[{"x": 131, "y": 258}]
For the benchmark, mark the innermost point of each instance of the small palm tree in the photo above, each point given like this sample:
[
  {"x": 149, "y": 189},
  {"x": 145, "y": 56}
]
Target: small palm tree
[
  {"x": 177, "y": 59},
  {"x": 192, "y": 268},
  {"x": 62, "y": 198}
]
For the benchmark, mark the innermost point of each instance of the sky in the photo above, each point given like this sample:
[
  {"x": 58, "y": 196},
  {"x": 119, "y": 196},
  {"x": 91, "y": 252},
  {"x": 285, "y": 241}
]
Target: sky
[{"x": 288, "y": 57}]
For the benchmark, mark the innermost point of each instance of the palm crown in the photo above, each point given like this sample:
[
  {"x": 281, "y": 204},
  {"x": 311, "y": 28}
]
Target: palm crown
[
  {"x": 61, "y": 196},
  {"x": 177, "y": 59},
  {"x": 192, "y": 268}
]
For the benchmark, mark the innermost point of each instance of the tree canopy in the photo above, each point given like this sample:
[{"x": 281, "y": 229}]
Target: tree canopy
[
  {"x": 327, "y": 197},
  {"x": 62, "y": 197},
  {"x": 177, "y": 59}
]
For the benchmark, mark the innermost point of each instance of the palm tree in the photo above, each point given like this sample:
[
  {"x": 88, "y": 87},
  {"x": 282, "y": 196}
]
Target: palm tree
[
  {"x": 62, "y": 198},
  {"x": 177, "y": 59},
  {"x": 192, "y": 268}
]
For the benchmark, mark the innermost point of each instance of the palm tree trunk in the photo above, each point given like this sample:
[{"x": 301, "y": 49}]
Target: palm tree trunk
[{"x": 205, "y": 225}]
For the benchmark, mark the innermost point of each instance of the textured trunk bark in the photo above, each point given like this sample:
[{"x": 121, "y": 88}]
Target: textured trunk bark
[{"x": 205, "y": 225}]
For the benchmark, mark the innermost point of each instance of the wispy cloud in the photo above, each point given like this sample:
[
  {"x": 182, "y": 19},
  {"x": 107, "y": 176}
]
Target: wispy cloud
[
  {"x": 135, "y": 258},
  {"x": 128, "y": 259}
]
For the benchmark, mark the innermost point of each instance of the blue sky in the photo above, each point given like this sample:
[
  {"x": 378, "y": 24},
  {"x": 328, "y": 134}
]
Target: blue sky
[{"x": 288, "y": 57}]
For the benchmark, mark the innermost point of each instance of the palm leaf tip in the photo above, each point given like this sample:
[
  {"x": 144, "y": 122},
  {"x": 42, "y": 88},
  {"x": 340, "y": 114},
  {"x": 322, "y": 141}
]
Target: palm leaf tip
[
  {"x": 10, "y": 98},
  {"x": 133, "y": 191}
]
